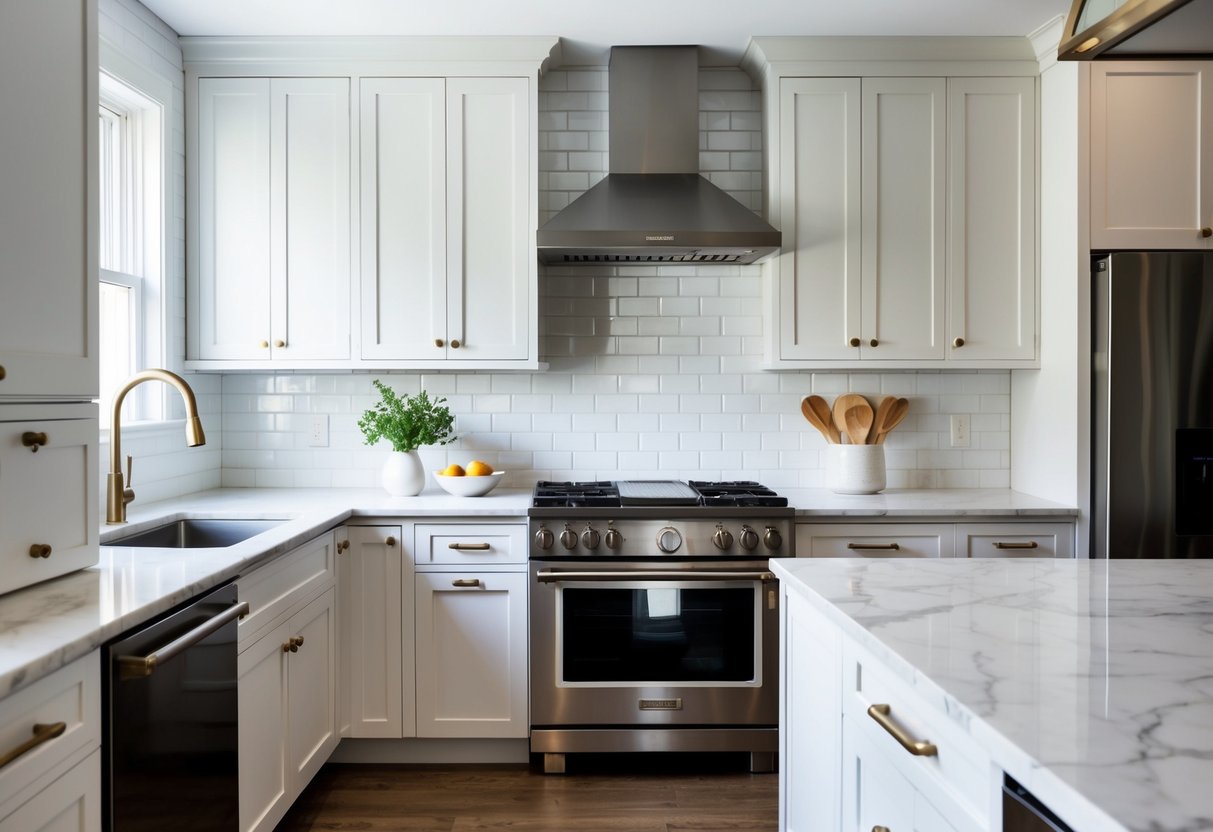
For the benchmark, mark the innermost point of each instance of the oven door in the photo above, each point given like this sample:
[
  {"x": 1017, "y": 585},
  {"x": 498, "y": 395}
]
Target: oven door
[{"x": 654, "y": 644}]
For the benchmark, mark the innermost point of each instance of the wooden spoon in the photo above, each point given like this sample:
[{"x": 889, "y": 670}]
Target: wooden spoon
[
  {"x": 859, "y": 423},
  {"x": 882, "y": 414},
  {"x": 844, "y": 403},
  {"x": 892, "y": 419},
  {"x": 818, "y": 413}
]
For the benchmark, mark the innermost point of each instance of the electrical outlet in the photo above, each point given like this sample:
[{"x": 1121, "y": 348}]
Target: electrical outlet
[
  {"x": 318, "y": 431},
  {"x": 960, "y": 430}
]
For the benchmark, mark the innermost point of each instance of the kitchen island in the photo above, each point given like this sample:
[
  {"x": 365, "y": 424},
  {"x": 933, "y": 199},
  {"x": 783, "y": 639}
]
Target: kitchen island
[{"x": 1088, "y": 682}]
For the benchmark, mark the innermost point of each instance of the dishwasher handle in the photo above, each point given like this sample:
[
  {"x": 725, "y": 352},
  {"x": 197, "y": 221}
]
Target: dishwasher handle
[{"x": 138, "y": 667}]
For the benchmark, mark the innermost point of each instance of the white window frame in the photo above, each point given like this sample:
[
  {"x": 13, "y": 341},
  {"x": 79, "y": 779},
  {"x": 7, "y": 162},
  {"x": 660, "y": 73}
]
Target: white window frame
[{"x": 141, "y": 102}]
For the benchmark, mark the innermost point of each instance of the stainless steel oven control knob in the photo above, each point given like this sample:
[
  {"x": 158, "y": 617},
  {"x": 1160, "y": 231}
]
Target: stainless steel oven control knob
[
  {"x": 772, "y": 539},
  {"x": 544, "y": 538},
  {"x": 723, "y": 538},
  {"x": 668, "y": 540},
  {"x": 590, "y": 537},
  {"x": 749, "y": 538},
  {"x": 568, "y": 538},
  {"x": 613, "y": 539}
]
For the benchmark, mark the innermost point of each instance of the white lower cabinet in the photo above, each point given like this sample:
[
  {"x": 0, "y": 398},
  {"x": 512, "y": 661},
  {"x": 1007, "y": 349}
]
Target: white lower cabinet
[
  {"x": 935, "y": 540},
  {"x": 71, "y": 803},
  {"x": 471, "y": 654}
]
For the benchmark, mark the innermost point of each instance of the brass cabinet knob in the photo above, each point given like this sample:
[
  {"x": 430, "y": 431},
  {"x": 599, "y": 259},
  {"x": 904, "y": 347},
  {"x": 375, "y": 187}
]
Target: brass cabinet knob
[
  {"x": 280, "y": 343},
  {"x": 880, "y": 829},
  {"x": 342, "y": 545},
  {"x": 455, "y": 343},
  {"x": 874, "y": 343},
  {"x": 438, "y": 342},
  {"x": 1204, "y": 232},
  {"x": 265, "y": 345},
  {"x": 3, "y": 372},
  {"x": 391, "y": 541},
  {"x": 292, "y": 644},
  {"x": 33, "y": 441},
  {"x": 854, "y": 342},
  {"x": 958, "y": 342},
  {"x": 40, "y": 550}
]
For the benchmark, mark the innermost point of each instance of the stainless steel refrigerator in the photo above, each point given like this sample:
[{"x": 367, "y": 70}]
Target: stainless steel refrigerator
[{"x": 1152, "y": 368}]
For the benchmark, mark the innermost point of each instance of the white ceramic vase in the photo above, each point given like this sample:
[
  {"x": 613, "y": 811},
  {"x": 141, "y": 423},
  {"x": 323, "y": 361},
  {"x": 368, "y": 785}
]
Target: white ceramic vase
[
  {"x": 403, "y": 475},
  {"x": 860, "y": 469}
]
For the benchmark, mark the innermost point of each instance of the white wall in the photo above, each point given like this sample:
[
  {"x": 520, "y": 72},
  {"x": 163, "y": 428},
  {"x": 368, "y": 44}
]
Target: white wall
[
  {"x": 654, "y": 370},
  {"x": 164, "y": 466}
]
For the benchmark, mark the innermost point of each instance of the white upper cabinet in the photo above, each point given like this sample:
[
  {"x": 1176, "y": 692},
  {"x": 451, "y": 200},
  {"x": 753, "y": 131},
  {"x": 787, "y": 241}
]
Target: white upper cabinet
[
  {"x": 48, "y": 200},
  {"x": 903, "y": 182},
  {"x": 270, "y": 272},
  {"x": 1151, "y": 155},
  {"x": 448, "y": 266},
  {"x": 991, "y": 219}
]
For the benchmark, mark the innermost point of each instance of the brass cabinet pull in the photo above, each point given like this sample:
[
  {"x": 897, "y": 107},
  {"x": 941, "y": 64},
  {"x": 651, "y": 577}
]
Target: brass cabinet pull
[
  {"x": 42, "y": 733},
  {"x": 438, "y": 342},
  {"x": 958, "y": 342},
  {"x": 33, "y": 441},
  {"x": 893, "y": 547},
  {"x": 919, "y": 748},
  {"x": 40, "y": 550},
  {"x": 265, "y": 345},
  {"x": 874, "y": 342},
  {"x": 280, "y": 343},
  {"x": 391, "y": 541},
  {"x": 1016, "y": 544},
  {"x": 1204, "y": 232},
  {"x": 455, "y": 343},
  {"x": 466, "y": 582},
  {"x": 292, "y": 644},
  {"x": 880, "y": 829},
  {"x": 854, "y": 342},
  {"x": 470, "y": 547}
]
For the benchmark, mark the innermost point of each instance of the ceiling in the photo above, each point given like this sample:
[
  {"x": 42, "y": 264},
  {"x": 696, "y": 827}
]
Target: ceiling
[{"x": 588, "y": 27}]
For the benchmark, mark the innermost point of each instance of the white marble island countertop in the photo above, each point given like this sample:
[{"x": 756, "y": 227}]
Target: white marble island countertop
[
  {"x": 1090, "y": 682},
  {"x": 909, "y": 503}
]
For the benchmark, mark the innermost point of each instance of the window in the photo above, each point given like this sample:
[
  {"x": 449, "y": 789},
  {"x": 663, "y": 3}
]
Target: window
[{"x": 132, "y": 231}]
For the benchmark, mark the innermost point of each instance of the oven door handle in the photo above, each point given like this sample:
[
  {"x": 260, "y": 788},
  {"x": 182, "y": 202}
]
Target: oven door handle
[{"x": 547, "y": 576}]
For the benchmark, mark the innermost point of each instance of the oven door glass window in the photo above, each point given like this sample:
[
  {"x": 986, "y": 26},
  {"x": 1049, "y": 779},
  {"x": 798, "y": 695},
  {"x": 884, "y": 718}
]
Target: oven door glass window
[{"x": 659, "y": 633}]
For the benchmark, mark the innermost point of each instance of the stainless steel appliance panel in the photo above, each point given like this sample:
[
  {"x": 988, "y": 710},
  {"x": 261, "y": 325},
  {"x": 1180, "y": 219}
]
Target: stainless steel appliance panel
[{"x": 1152, "y": 365}]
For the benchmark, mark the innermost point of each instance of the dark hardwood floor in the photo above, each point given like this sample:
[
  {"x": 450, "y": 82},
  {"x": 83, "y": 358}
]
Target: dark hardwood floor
[{"x": 629, "y": 795}]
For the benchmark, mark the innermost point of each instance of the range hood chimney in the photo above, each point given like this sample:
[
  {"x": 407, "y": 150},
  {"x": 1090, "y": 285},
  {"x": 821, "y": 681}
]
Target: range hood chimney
[
  {"x": 653, "y": 206},
  {"x": 1137, "y": 29}
]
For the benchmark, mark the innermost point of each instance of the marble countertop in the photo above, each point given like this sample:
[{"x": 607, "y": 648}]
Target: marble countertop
[
  {"x": 1090, "y": 682},
  {"x": 922, "y": 503}
]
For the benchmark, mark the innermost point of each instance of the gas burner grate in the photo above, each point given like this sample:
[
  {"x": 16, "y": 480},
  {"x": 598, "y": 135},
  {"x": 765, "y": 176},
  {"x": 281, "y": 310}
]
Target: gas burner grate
[
  {"x": 737, "y": 493},
  {"x": 576, "y": 494}
]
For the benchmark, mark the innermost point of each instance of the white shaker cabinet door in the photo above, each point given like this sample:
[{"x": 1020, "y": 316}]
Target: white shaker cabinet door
[
  {"x": 229, "y": 295},
  {"x": 491, "y": 265},
  {"x": 71, "y": 803},
  {"x": 310, "y": 218},
  {"x": 991, "y": 219},
  {"x": 261, "y": 693},
  {"x": 1151, "y": 155},
  {"x": 904, "y": 193},
  {"x": 403, "y": 218},
  {"x": 818, "y": 274},
  {"x": 311, "y": 674},
  {"x": 49, "y": 204}
]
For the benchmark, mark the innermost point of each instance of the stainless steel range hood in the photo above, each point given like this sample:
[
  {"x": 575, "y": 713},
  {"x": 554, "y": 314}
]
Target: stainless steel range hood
[
  {"x": 653, "y": 206},
  {"x": 1137, "y": 29}
]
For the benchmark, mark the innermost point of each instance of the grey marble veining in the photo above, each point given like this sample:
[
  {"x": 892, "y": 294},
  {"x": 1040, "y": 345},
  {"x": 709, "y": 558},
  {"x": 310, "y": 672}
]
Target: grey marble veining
[{"x": 1091, "y": 682}]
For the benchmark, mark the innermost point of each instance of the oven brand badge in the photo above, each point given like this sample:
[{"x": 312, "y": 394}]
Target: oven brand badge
[
  {"x": 659, "y": 238},
  {"x": 661, "y": 704}
]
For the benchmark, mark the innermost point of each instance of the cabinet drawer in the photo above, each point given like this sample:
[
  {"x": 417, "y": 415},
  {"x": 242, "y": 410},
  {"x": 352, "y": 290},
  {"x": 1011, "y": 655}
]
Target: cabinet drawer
[
  {"x": 70, "y": 804},
  {"x": 70, "y": 695},
  {"x": 469, "y": 544},
  {"x": 48, "y": 499},
  {"x": 274, "y": 588},
  {"x": 908, "y": 540},
  {"x": 1015, "y": 540},
  {"x": 956, "y": 778}
]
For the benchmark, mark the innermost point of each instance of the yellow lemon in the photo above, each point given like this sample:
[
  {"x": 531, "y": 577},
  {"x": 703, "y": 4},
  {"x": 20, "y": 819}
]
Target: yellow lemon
[
  {"x": 452, "y": 470},
  {"x": 476, "y": 468}
]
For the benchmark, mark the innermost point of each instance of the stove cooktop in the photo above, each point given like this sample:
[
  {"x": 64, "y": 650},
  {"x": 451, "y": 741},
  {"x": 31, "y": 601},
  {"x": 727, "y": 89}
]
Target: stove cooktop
[{"x": 606, "y": 494}]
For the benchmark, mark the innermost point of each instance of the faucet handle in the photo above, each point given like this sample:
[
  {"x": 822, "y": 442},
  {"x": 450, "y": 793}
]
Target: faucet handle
[{"x": 128, "y": 494}]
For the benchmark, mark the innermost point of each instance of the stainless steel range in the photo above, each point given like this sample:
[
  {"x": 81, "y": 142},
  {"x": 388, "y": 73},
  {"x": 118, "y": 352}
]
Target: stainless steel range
[{"x": 654, "y": 619}]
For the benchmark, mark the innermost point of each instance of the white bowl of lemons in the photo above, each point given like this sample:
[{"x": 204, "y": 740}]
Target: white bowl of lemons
[{"x": 476, "y": 480}]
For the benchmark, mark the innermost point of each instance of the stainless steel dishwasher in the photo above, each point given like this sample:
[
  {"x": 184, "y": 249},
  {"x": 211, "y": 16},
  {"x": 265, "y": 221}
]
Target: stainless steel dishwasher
[
  {"x": 1022, "y": 812},
  {"x": 170, "y": 744}
]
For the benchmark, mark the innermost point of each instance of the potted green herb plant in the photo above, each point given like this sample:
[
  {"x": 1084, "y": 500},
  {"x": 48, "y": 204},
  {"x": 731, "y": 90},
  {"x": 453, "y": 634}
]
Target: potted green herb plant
[{"x": 407, "y": 422}]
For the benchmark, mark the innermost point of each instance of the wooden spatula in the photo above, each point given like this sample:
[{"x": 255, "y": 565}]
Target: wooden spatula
[
  {"x": 892, "y": 419},
  {"x": 882, "y": 414},
  {"x": 859, "y": 423},
  {"x": 818, "y": 413},
  {"x": 844, "y": 403}
]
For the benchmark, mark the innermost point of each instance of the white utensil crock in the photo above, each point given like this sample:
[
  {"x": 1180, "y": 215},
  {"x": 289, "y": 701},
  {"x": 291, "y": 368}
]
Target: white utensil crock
[
  {"x": 860, "y": 469},
  {"x": 403, "y": 474}
]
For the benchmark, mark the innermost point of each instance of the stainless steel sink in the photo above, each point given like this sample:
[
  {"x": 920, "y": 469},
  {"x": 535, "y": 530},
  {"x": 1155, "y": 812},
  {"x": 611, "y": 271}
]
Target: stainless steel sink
[{"x": 197, "y": 534}]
